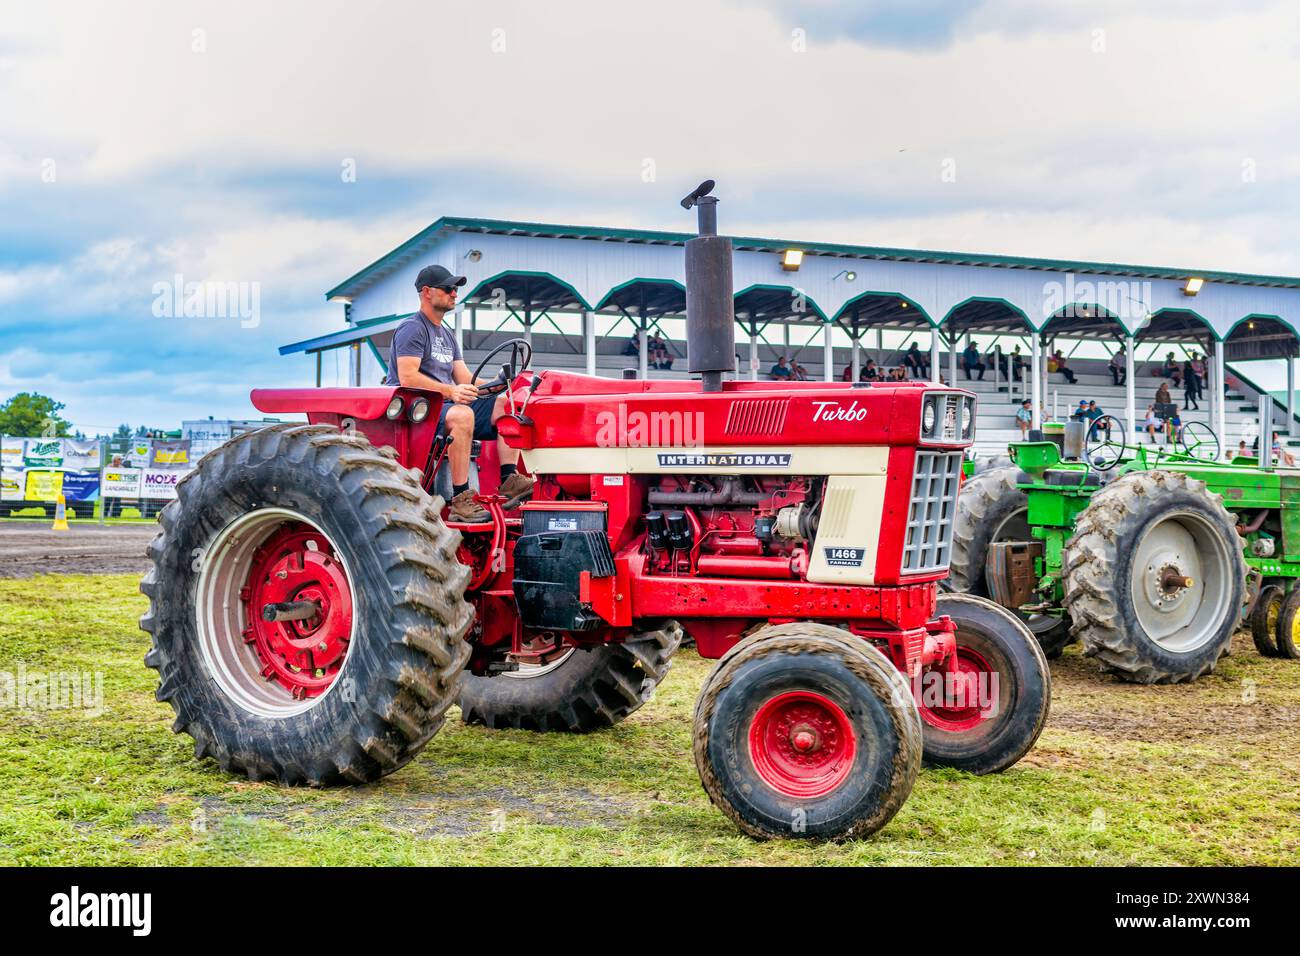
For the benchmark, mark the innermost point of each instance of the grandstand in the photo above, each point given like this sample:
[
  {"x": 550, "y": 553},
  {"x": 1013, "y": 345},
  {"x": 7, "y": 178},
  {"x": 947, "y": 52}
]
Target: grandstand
[
  {"x": 589, "y": 297},
  {"x": 998, "y": 401}
]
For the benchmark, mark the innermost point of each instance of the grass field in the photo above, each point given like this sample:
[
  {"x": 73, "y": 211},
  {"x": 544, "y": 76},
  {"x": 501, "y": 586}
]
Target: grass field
[{"x": 1205, "y": 774}]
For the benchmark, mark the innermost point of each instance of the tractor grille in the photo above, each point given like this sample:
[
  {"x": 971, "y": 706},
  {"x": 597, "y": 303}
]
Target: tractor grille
[{"x": 934, "y": 504}]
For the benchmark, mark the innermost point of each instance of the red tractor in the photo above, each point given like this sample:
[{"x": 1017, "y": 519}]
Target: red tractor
[{"x": 314, "y": 616}]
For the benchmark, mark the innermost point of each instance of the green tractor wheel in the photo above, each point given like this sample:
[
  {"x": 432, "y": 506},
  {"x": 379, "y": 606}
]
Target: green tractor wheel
[
  {"x": 1265, "y": 618},
  {"x": 1288, "y": 627},
  {"x": 992, "y": 508},
  {"x": 1154, "y": 577}
]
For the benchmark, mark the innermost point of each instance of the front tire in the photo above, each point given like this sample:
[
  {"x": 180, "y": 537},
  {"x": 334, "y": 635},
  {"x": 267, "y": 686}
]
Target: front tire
[
  {"x": 1265, "y": 619},
  {"x": 804, "y": 730},
  {"x": 998, "y": 655},
  {"x": 992, "y": 508},
  {"x": 1135, "y": 546},
  {"x": 1288, "y": 627},
  {"x": 589, "y": 689},
  {"x": 303, "y": 515}
]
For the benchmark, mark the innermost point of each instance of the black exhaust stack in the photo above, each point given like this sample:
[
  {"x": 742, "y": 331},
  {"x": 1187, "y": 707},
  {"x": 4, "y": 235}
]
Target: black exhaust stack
[{"x": 710, "y": 311}]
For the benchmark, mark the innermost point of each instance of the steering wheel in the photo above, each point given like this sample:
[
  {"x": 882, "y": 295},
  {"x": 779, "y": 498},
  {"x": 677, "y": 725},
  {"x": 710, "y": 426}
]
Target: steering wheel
[
  {"x": 1101, "y": 449},
  {"x": 519, "y": 349},
  {"x": 1199, "y": 441}
]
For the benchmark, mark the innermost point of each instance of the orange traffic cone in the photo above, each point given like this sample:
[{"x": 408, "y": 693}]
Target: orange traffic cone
[{"x": 61, "y": 515}]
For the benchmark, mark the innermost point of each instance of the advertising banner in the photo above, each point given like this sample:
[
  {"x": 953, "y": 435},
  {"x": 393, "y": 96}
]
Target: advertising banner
[
  {"x": 11, "y": 454},
  {"x": 121, "y": 482},
  {"x": 171, "y": 454},
  {"x": 43, "y": 485},
  {"x": 128, "y": 453},
  {"x": 80, "y": 455},
  {"x": 11, "y": 484},
  {"x": 43, "y": 452},
  {"x": 160, "y": 483},
  {"x": 80, "y": 486}
]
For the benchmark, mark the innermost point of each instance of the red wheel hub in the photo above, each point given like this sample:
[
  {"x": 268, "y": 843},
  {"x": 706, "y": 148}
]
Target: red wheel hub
[
  {"x": 297, "y": 564},
  {"x": 964, "y": 689},
  {"x": 802, "y": 744}
]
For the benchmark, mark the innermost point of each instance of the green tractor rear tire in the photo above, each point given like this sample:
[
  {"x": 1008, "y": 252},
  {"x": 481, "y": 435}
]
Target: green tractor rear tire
[
  {"x": 993, "y": 508},
  {"x": 1154, "y": 578}
]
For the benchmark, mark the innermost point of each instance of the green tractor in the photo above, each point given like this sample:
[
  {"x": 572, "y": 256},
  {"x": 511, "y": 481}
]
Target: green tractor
[{"x": 1150, "y": 556}]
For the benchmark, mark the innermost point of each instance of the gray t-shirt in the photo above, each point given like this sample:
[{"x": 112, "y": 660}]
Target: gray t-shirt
[{"x": 435, "y": 345}]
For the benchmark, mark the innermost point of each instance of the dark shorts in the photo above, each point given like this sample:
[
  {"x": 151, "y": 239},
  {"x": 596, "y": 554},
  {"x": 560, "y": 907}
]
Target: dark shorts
[{"x": 482, "y": 408}]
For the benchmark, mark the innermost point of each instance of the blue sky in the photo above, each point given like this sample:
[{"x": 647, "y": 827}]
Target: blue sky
[{"x": 208, "y": 140}]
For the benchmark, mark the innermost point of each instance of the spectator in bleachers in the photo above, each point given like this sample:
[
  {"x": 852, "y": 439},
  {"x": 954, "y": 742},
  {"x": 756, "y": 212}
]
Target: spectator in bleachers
[
  {"x": 917, "y": 361},
  {"x": 798, "y": 372},
  {"x": 1153, "y": 424},
  {"x": 997, "y": 359},
  {"x": 1169, "y": 369},
  {"x": 1080, "y": 413},
  {"x": 1119, "y": 367},
  {"x": 1174, "y": 427},
  {"x": 970, "y": 361},
  {"x": 898, "y": 374},
  {"x": 1162, "y": 394},
  {"x": 1191, "y": 386},
  {"x": 847, "y": 375},
  {"x": 1056, "y": 363},
  {"x": 781, "y": 370},
  {"x": 870, "y": 372},
  {"x": 1025, "y": 418},
  {"x": 1199, "y": 367},
  {"x": 633, "y": 346},
  {"x": 1017, "y": 364},
  {"x": 1283, "y": 456},
  {"x": 1242, "y": 450}
]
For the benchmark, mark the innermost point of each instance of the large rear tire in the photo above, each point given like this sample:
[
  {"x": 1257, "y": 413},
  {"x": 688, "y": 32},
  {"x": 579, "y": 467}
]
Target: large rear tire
[
  {"x": 989, "y": 726},
  {"x": 1135, "y": 547},
  {"x": 301, "y": 515},
  {"x": 804, "y": 730},
  {"x": 991, "y": 508},
  {"x": 586, "y": 690}
]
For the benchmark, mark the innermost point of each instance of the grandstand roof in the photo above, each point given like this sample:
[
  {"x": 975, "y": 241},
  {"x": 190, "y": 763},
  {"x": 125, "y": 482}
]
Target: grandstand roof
[{"x": 407, "y": 250}]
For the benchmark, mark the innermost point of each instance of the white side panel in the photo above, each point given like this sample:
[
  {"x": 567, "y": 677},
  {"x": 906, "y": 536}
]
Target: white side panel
[{"x": 844, "y": 551}]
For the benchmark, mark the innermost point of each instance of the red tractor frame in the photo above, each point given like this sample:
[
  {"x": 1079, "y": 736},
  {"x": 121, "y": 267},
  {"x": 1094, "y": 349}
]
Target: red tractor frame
[{"x": 314, "y": 616}]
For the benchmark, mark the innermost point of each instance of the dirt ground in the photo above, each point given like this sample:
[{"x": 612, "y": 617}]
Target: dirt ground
[{"x": 30, "y": 547}]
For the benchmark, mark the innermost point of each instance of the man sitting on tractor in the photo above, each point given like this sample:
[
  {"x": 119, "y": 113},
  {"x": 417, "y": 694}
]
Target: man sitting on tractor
[{"x": 425, "y": 354}]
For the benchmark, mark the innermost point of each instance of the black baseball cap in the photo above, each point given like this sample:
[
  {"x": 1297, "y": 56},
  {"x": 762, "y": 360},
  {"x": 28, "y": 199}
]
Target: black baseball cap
[{"x": 437, "y": 277}]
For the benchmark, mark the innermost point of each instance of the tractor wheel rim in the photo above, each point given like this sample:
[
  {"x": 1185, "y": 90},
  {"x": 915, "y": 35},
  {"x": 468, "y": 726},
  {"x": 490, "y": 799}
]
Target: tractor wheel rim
[
  {"x": 274, "y": 668},
  {"x": 1014, "y": 527},
  {"x": 802, "y": 744},
  {"x": 527, "y": 671},
  {"x": 1178, "y": 616},
  {"x": 967, "y": 694}
]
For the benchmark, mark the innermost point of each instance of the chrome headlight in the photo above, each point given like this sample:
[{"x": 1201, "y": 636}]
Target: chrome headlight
[
  {"x": 929, "y": 416},
  {"x": 419, "y": 410},
  {"x": 395, "y": 407},
  {"x": 967, "y": 417}
]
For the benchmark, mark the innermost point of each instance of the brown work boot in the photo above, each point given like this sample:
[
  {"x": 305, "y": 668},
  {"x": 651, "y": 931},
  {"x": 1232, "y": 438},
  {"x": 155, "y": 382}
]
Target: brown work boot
[
  {"x": 515, "y": 489},
  {"x": 465, "y": 510}
]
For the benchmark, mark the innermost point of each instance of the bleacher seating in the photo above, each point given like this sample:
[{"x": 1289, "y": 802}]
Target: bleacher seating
[{"x": 995, "y": 424}]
